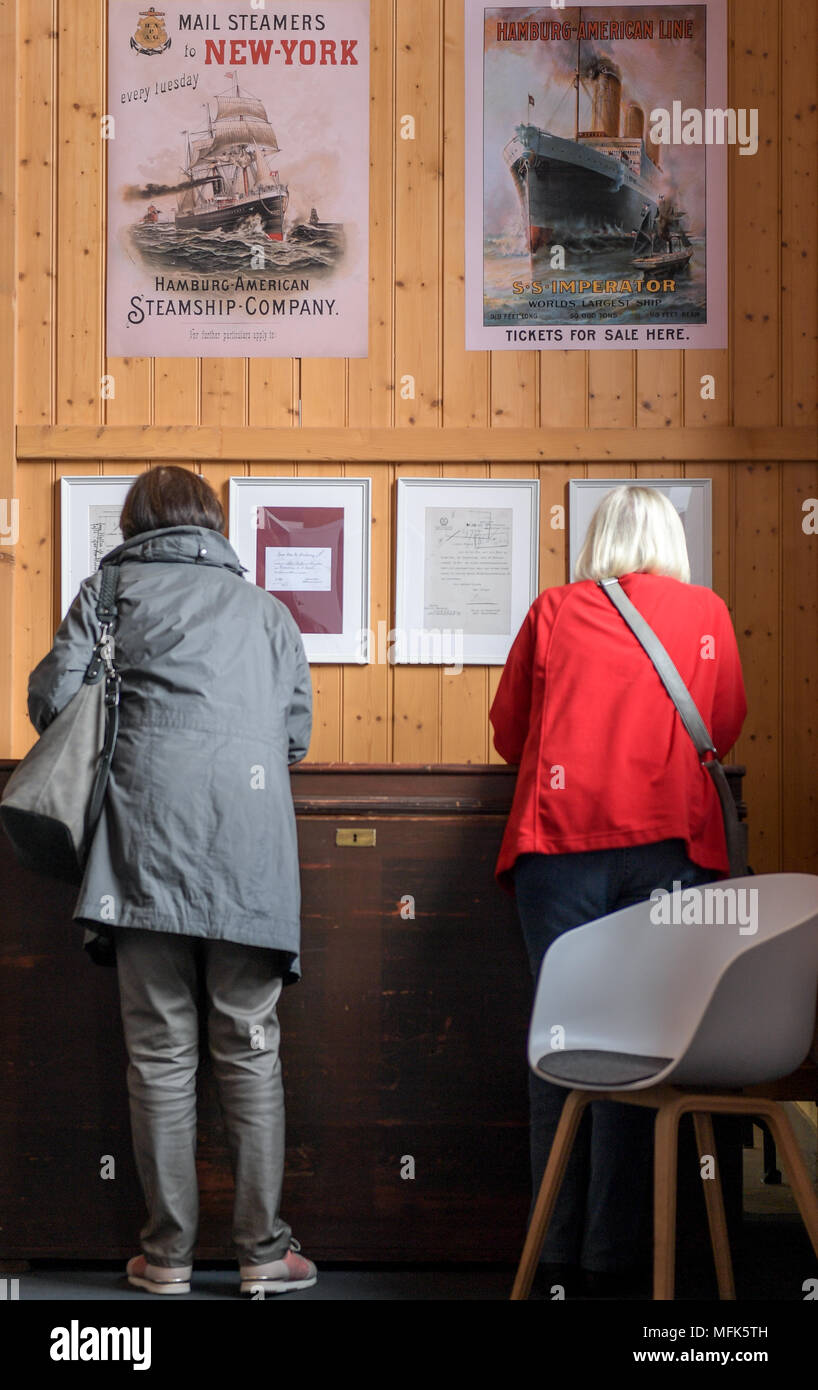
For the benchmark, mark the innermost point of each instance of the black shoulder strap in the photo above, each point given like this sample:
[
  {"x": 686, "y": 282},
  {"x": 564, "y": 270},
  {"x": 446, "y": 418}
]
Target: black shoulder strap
[{"x": 106, "y": 603}]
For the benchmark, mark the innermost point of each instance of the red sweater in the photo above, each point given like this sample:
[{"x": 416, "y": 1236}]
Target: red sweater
[{"x": 604, "y": 758}]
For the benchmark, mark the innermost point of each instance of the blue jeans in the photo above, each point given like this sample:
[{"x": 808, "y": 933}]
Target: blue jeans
[{"x": 602, "y": 1219}]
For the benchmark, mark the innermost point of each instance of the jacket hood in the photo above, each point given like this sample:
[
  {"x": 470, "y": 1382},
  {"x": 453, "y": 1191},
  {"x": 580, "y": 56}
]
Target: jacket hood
[{"x": 189, "y": 545}]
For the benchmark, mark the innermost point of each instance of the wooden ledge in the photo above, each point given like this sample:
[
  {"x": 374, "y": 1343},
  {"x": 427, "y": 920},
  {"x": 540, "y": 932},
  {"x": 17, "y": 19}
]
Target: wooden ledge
[{"x": 202, "y": 443}]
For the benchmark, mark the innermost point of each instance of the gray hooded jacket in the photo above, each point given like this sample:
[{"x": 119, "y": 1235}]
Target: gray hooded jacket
[{"x": 197, "y": 834}]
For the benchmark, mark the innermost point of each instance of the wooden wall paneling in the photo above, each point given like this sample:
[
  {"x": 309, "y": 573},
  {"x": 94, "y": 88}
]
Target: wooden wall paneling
[
  {"x": 463, "y": 697},
  {"x": 515, "y": 387},
  {"x": 494, "y": 673},
  {"x": 36, "y": 52},
  {"x": 799, "y": 482},
  {"x": 177, "y": 390},
  {"x": 366, "y": 714},
  {"x": 697, "y": 363},
  {"x": 755, "y": 319},
  {"x": 416, "y": 694},
  {"x": 416, "y": 700},
  {"x": 418, "y": 179},
  {"x": 224, "y": 391},
  {"x": 799, "y": 625},
  {"x": 658, "y": 389},
  {"x": 26, "y": 282},
  {"x": 80, "y": 298},
  {"x": 757, "y": 622},
  {"x": 611, "y": 377},
  {"x": 563, "y": 390},
  {"x": 721, "y": 478},
  {"x": 799, "y": 159}
]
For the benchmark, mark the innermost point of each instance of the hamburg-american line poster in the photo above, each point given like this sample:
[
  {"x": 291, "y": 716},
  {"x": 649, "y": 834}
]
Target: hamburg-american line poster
[
  {"x": 596, "y": 175},
  {"x": 238, "y": 179}
]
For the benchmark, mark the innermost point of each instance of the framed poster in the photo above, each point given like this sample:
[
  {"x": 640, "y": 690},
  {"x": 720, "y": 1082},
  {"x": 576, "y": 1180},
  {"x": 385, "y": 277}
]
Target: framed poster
[
  {"x": 692, "y": 498},
  {"x": 306, "y": 540},
  {"x": 90, "y": 509},
  {"x": 596, "y": 188},
  {"x": 467, "y": 568},
  {"x": 238, "y": 179}
]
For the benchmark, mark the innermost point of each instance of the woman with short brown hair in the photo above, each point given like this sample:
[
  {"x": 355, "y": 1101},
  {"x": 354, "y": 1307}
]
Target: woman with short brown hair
[{"x": 192, "y": 878}]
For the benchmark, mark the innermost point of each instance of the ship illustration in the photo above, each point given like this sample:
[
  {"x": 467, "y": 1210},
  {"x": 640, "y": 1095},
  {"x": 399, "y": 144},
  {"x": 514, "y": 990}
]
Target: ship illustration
[
  {"x": 228, "y": 169},
  {"x": 596, "y": 183},
  {"x": 661, "y": 242}
]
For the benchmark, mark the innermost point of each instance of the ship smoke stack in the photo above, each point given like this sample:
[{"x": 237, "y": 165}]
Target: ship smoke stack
[{"x": 607, "y": 97}]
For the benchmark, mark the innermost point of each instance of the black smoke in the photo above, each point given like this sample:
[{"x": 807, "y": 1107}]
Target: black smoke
[{"x": 133, "y": 192}]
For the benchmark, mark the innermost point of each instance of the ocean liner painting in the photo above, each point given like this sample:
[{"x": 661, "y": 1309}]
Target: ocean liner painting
[
  {"x": 600, "y": 181},
  {"x": 228, "y": 166}
]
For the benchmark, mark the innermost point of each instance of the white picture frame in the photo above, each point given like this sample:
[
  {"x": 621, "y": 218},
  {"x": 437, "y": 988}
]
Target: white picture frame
[
  {"x": 692, "y": 498},
  {"x": 353, "y": 495},
  {"x": 89, "y": 528},
  {"x": 448, "y": 610}
]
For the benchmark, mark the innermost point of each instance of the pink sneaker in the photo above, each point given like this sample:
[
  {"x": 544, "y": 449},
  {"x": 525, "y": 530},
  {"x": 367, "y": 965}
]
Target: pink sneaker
[
  {"x": 157, "y": 1278},
  {"x": 280, "y": 1276}
]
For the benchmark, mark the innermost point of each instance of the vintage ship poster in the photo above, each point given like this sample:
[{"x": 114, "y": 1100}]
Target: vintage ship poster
[
  {"x": 238, "y": 179},
  {"x": 596, "y": 175}
]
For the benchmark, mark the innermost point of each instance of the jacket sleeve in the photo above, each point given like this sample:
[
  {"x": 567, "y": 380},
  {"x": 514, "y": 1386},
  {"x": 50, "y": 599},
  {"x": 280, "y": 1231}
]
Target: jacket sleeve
[
  {"x": 299, "y": 714},
  {"x": 729, "y": 698},
  {"x": 56, "y": 680},
  {"x": 511, "y": 707}
]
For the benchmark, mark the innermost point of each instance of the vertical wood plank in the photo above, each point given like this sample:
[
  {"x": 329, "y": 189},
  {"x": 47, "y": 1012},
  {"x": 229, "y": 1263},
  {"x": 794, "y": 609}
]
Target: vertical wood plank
[
  {"x": 756, "y": 240},
  {"x": 9, "y": 499},
  {"x": 463, "y": 697},
  {"x": 610, "y": 390},
  {"x": 418, "y": 176},
  {"x": 799, "y": 158},
  {"x": 757, "y": 622},
  {"x": 323, "y": 395},
  {"x": 416, "y": 690},
  {"x": 79, "y": 210},
  {"x": 799, "y": 625},
  {"x": 367, "y": 714}
]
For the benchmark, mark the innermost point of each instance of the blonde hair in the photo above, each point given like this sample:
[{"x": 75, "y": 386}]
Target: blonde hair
[{"x": 634, "y": 529}]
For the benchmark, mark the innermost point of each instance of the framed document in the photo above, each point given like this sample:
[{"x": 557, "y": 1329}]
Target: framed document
[
  {"x": 90, "y": 511},
  {"x": 467, "y": 567},
  {"x": 306, "y": 540},
  {"x": 692, "y": 498}
]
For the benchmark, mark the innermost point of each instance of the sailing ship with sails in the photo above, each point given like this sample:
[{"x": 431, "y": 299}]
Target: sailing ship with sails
[
  {"x": 661, "y": 243},
  {"x": 599, "y": 181},
  {"x": 228, "y": 166}
]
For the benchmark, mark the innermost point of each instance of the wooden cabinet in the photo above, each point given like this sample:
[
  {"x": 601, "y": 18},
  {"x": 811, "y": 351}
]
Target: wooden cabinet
[
  {"x": 405, "y": 1040},
  {"x": 403, "y": 1047}
]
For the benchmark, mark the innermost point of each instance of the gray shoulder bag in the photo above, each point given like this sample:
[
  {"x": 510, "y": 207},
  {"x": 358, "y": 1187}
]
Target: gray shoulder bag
[
  {"x": 53, "y": 799},
  {"x": 692, "y": 720}
]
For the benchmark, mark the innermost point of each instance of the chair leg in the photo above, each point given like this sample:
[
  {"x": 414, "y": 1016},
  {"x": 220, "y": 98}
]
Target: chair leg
[
  {"x": 714, "y": 1201},
  {"x": 794, "y": 1167},
  {"x": 572, "y": 1112},
  {"x": 665, "y": 1163}
]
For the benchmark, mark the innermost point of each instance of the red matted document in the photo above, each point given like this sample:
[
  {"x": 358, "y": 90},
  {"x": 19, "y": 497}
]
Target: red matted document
[{"x": 300, "y": 560}]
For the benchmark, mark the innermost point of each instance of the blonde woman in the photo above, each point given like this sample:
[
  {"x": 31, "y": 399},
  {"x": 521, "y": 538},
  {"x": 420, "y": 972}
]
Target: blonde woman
[{"x": 610, "y": 803}]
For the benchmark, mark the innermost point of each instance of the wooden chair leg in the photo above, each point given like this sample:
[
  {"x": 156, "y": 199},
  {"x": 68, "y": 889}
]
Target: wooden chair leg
[
  {"x": 790, "y": 1153},
  {"x": 572, "y": 1112},
  {"x": 714, "y": 1201},
  {"x": 665, "y": 1163}
]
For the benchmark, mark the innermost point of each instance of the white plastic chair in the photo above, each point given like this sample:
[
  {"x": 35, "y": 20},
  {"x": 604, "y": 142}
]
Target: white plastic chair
[{"x": 631, "y": 1010}]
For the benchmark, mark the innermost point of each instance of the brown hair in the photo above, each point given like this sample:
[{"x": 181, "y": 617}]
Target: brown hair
[{"x": 170, "y": 496}]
